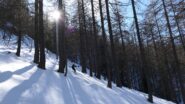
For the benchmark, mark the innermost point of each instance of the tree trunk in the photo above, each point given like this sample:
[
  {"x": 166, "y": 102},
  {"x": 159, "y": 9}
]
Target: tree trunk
[
  {"x": 164, "y": 72},
  {"x": 19, "y": 43},
  {"x": 96, "y": 64},
  {"x": 104, "y": 54},
  {"x": 143, "y": 58},
  {"x": 82, "y": 37},
  {"x": 62, "y": 51},
  {"x": 84, "y": 55},
  {"x": 113, "y": 55},
  {"x": 124, "y": 56},
  {"x": 36, "y": 38},
  {"x": 176, "y": 60},
  {"x": 42, "y": 37},
  {"x": 91, "y": 53}
]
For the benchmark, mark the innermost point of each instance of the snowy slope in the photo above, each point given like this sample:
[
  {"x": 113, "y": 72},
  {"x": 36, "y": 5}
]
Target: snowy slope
[{"x": 21, "y": 82}]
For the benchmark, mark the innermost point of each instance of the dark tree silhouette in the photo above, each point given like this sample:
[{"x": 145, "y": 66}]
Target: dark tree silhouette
[{"x": 42, "y": 60}]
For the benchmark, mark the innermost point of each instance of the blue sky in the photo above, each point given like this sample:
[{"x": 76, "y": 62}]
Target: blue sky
[{"x": 141, "y": 5}]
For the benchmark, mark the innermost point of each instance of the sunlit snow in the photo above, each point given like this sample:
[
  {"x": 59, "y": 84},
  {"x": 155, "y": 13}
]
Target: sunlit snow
[{"x": 21, "y": 82}]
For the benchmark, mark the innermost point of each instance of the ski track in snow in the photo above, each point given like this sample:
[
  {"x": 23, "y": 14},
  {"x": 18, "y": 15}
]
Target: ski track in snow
[{"x": 21, "y": 82}]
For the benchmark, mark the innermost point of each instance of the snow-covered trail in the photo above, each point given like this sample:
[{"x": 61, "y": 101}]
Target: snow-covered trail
[{"x": 21, "y": 82}]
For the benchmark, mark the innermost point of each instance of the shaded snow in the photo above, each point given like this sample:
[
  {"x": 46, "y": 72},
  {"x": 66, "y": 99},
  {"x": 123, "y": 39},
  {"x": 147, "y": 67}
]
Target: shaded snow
[{"x": 21, "y": 82}]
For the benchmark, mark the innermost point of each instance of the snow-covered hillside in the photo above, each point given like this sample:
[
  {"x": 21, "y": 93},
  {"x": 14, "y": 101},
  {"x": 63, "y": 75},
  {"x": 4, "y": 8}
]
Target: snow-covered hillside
[{"x": 21, "y": 82}]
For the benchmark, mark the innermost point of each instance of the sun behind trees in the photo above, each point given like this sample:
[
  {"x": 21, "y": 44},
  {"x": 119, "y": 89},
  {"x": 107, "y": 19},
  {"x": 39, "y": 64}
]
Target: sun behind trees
[{"x": 145, "y": 51}]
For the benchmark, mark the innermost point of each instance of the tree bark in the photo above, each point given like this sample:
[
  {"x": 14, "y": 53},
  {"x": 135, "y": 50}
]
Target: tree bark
[
  {"x": 113, "y": 55},
  {"x": 41, "y": 37},
  {"x": 96, "y": 64},
  {"x": 143, "y": 58},
  {"x": 62, "y": 51},
  {"x": 124, "y": 56},
  {"x": 19, "y": 43},
  {"x": 19, "y": 30},
  {"x": 36, "y": 38},
  {"x": 176, "y": 60},
  {"x": 104, "y": 60},
  {"x": 84, "y": 55}
]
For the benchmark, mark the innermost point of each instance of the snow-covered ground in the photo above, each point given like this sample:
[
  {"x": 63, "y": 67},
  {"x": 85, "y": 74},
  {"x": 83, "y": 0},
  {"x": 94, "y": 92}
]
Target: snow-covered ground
[{"x": 21, "y": 82}]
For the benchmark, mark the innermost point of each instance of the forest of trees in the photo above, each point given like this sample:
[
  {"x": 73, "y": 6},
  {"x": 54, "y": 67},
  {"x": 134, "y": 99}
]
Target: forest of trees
[{"x": 148, "y": 55}]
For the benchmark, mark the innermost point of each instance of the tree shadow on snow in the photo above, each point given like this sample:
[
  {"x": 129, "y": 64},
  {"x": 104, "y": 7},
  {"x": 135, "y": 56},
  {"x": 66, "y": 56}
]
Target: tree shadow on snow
[
  {"x": 5, "y": 76},
  {"x": 14, "y": 95},
  {"x": 8, "y": 74}
]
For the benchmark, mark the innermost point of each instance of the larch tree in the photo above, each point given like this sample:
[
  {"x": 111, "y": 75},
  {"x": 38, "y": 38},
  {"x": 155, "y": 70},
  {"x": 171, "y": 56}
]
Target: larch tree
[
  {"x": 103, "y": 54},
  {"x": 146, "y": 78},
  {"x": 62, "y": 51},
  {"x": 96, "y": 62},
  {"x": 174, "y": 52},
  {"x": 42, "y": 60},
  {"x": 19, "y": 21},
  {"x": 113, "y": 57},
  {"x": 36, "y": 36}
]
